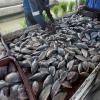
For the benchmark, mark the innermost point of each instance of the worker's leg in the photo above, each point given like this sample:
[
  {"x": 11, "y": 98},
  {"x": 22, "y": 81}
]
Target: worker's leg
[
  {"x": 28, "y": 19},
  {"x": 27, "y": 12},
  {"x": 36, "y": 15}
]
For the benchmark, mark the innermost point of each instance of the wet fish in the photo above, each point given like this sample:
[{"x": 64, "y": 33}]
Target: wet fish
[
  {"x": 66, "y": 56},
  {"x": 63, "y": 56},
  {"x": 48, "y": 81},
  {"x": 34, "y": 66},
  {"x": 55, "y": 88},
  {"x": 3, "y": 71},
  {"x": 63, "y": 75},
  {"x": 96, "y": 58},
  {"x": 81, "y": 45},
  {"x": 52, "y": 70},
  {"x": 84, "y": 52},
  {"x": 2, "y": 96},
  {"x": 35, "y": 87},
  {"x": 79, "y": 57},
  {"x": 61, "y": 64},
  {"x": 44, "y": 95},
  {"x": 42, "y": 47},
  {"x": 70, "y": 64},
  {"x": 42, "y": 55},
  {"x": 72, "y": 76},
  {"x": 60, "y": 96},
  {"x": 61, "y": 51},
  {"x": 39, "y": 76},
  {"x": 22, "y": 93},
  {"x": 12, "y": 77},
  {"x": 66, "y": 84},
  {"x": 3, "y": 84},
  {"x": 50, "y": 52}
]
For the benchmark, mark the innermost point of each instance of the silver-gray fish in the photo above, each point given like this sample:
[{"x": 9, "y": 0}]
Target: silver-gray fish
[
  {"x": 60, "y": 96},
  {"x": 81, "y": 45},
  {"x": 42, "y": 47},
  {"x": 63, "y": 75},
  {"x": 26, "y": 51},
  {"x": 59, "y": 58},
  {"x": 61, "y": 51},
  {"x": 14, "y": 92},
  {"x": 45, "y": 93},
  {"x": 35, "y": 87},
  {"x": 42, "y": 55},
  {"x": 61, "y": 64},
  {"x": 66, "y": 56},
  {"x": 52, "y": 70},
  {"x": 79, "y": 57},
  {"x": 3, "y": 72},
  {"x": 22, "y": 93},
  {"x": 43, "y": 70},
  {"x": 85, "y": 66},
  {"x": 55, "y": 88},
  {"x": 51, "y": 60},
  {"x": 34, "y": 66},
  {"x": 12, "y": 77},
  {"x": 80, "y": 69},
  {"x": 26, "y": 64},
  {"x": 70, "y": 64},
  {"x": 50, "y": 52},
  {"x": 48, "y": 81},
  {"x": 85, "y": 74},
  {"x": 72, "y": 76},
  {"x": 66, "y": 84},
  {"x": 96, "y": 58},
  {"x": 2, "y": 96},
  {"x": 43, "y": 64},
  {"x": 3, "y": 84},
  {"x": 39, "y": 76},
  {"x": 84, "y": 52}
]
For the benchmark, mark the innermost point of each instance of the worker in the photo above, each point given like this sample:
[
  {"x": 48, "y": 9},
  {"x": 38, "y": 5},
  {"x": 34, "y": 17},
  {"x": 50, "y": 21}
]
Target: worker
[
  {"x": 33, "y": 12},
  {"x": 93, "y": 6}
]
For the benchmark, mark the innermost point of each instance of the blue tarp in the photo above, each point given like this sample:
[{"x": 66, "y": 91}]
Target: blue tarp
[{"x": 95, "y": 4}]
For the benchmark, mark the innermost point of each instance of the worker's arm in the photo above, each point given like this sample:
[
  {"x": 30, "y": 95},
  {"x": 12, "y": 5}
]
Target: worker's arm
[
  {"x": 36, "y": 14},
  {"x": 47, "y": 9}
]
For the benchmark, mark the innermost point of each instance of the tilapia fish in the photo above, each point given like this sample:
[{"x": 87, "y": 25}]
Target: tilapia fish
[{"x": 53, "y": 62}]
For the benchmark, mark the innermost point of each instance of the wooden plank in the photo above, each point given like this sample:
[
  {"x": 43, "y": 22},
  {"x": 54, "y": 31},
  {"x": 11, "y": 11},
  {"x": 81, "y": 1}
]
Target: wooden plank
[
  {"x": 11, "y": 10},
  {"x": 6, "y": 3},
  {"x": 84, "y": 88}
]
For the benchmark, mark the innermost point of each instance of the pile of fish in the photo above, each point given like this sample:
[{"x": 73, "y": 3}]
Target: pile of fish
[
  {"x": 53, "y": 62},
  {"x": 10, "y": 89},
  {"x": 2, "y": 51}
]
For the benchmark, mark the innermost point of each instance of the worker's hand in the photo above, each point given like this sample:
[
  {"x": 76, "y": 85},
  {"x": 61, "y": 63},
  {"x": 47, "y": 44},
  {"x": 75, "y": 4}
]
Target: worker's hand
[
  {"x": 81, "y": 7},
  {"x": 51, "y": 27}
]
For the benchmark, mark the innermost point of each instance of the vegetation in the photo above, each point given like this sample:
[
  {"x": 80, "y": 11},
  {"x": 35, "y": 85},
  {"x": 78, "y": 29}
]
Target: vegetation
[
  {"x": 60, "y": 10},
  {"x": 23, "y": 23},
  {"x": 82, "y": 1}
]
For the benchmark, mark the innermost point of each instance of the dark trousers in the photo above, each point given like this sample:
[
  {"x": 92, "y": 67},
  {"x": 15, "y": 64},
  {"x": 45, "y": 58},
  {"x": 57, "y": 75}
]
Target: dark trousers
[{"x": 29, "y": 19}]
